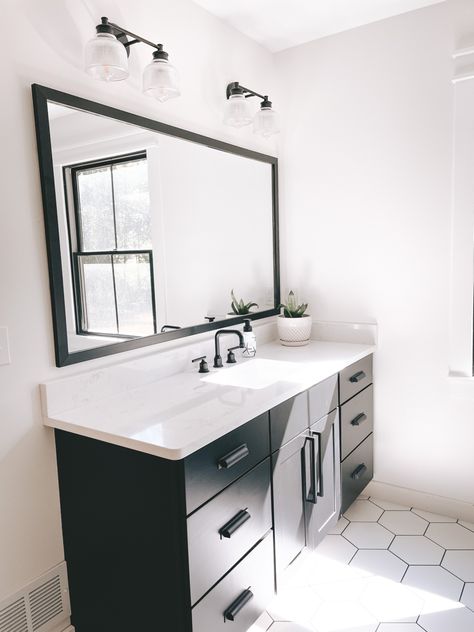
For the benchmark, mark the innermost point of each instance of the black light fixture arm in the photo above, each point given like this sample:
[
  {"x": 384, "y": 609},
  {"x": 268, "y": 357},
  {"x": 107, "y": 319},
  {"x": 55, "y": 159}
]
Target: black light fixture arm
[
  {"x": 236, "y": 86},
  {"x": 121, "y": 34}
]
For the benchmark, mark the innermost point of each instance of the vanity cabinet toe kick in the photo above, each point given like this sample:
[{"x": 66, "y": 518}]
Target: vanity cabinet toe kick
[{"x": 196, "y": 544}]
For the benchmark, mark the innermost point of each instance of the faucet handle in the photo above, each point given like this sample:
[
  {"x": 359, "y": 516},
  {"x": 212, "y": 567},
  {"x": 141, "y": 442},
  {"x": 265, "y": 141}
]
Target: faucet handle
[
  {"x": 231, "y": 355},
  {"x": 203, "y": 367}
]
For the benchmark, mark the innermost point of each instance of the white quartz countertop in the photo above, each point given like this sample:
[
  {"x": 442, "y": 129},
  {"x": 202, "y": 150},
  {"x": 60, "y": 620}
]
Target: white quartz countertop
[{"x": 177, "y": 415}]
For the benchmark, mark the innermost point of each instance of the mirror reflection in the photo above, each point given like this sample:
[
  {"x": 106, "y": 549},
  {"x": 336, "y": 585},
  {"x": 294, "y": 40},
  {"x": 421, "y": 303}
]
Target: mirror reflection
[{"x": 155, "y": 231}]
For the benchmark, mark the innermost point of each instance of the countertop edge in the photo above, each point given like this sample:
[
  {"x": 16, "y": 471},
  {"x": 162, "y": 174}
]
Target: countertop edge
[{"x": 176, "y": 454}]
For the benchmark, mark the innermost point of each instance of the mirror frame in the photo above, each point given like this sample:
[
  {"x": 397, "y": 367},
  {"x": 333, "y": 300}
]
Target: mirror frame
[{"x": 41, "y": 96}]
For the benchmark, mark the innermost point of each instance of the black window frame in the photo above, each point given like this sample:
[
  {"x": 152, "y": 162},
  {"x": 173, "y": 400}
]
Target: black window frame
[{"x": 70, "y": 173}]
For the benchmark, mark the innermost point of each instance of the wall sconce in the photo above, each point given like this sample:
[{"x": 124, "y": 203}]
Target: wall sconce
[
  {"x": 106, "y": 59},
  {"x": 237, "y": 112}
]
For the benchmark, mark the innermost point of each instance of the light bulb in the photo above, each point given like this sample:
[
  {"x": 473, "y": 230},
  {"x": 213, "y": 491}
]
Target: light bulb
[
  {"x": 160, "y": 78},
  {"x": 265, "y": 122},
  {"x": 237, "y": 113},
  {"x": 106, "y": 58}
]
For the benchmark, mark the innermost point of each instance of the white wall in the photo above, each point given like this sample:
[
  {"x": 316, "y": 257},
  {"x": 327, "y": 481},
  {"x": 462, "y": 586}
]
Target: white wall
[
  {"x": 45, "y": 45},
  {"x": 366, "y": 194}
]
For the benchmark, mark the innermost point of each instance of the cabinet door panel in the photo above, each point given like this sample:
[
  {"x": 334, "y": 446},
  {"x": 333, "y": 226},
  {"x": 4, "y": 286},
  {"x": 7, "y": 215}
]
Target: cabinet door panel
[
  {"x": 241, "y": 596},
  {"x": 207, "y": 473},
  {"x": 248, "y": 502},
  {"x": 357, "y": 471},
  {"x": 288, "y": 501},
  {"x": 323, "y": 514},
  {"x": 288, "y": 420},
  {"x": 354, "y": 378}
]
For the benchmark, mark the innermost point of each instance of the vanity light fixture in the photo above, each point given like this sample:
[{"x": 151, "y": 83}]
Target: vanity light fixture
[
  {"x": 106, "y": 59},
  {"x": 237, "y": 112}
]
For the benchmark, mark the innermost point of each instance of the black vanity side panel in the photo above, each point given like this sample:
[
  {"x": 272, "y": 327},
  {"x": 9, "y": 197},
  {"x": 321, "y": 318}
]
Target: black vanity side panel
[{"x": 123, "y": 517}]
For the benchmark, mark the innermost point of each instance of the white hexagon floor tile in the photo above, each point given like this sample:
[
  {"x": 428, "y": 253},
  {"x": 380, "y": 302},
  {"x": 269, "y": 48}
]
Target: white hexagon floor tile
[
  {"x": 434, "y": 580},
  {"x": 468, "y": 525},
  {"x": 289, "y": 626},
  {"x": 389, "y": 601},
  {"x": 340, "y": 526},
  {"x": 416, "y": 549},
  {"x": 403, "y": 523},
  {"x": 336, "y": 548},
  {"x": 467, "y": 597},
  {"x": 432, "y": 517},
  {"x": 336, "y": 617},
  {"x": 387, "y": 505},
  {"x": 461, "y": 564},
  {"x": 363, "y": 511},
  {"x": 457, "y": 619},
  {"x": 296, "y": 604},
  {"x": 368, "y": 535},
  {"x": 399, "y": 627},
  {"x": 379, "y": 564},
  {"x": 262, "y": 623},
  {"x": 451, "y": 536}
]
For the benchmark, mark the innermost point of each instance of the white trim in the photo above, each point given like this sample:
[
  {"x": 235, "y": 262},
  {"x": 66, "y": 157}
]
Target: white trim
[
  {"x": 421, "y": 500},
  {"x": 462, "y": 230},
  {"x": 463, "y": 77},
  {"x": 463, "y": 52}
]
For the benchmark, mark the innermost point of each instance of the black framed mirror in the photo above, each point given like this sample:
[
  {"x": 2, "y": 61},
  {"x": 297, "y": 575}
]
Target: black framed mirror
[{"x": 149, "y": 228}]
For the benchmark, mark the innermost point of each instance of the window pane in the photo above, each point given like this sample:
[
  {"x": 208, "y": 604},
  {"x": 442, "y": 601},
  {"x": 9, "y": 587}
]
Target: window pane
[
  {"x": 96, "y": 209},
  {"x": 98, "y": 293},
  {"x": 134, "y": 299},
  {"x": 132, "y": 205}
]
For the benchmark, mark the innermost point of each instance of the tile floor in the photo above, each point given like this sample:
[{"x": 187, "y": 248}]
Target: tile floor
[{"x": 384, "y": 568}]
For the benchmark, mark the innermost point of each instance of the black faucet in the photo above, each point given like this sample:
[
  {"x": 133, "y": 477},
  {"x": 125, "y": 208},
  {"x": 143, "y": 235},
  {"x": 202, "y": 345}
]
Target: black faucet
[{"x": 222, "y": 332}]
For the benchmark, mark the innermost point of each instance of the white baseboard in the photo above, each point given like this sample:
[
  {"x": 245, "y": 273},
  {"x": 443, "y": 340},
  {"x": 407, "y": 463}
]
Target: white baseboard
[{"x": 421, "y": 500}]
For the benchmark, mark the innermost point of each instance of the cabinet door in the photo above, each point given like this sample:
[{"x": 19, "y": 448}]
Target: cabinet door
[
  {"x": 288, "y": 500},
  {"x": 323, "y": 504}
]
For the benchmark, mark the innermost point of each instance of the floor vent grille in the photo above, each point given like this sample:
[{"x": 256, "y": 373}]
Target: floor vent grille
[{"x": 43, "y": 605}]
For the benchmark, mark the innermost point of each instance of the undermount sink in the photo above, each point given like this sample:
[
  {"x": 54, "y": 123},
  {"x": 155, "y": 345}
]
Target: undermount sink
[{"x": 255, "y": 374}]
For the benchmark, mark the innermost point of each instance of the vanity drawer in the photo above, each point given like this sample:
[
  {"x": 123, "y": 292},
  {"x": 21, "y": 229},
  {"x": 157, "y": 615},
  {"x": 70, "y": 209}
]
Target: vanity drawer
[
  {"x": 354, "y": 378},
  {"x": 356, "y": 471},
  {"x": 215, "y": 466},
  {"x": 222, "y": 531},
  {"x": 249, "y": 585},
  {"x": 288, "y": 420},
  {"x": 357, "y": 420},
  {"x": 323, "y": 398}
]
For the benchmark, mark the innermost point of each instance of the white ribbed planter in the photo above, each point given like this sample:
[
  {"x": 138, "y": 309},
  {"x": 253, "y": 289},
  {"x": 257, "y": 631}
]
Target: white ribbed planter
[{"x": 294, "y": 332}]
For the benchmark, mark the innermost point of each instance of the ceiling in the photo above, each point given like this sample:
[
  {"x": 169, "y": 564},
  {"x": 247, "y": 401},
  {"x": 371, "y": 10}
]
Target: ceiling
[{"x": 280, "y": 24}]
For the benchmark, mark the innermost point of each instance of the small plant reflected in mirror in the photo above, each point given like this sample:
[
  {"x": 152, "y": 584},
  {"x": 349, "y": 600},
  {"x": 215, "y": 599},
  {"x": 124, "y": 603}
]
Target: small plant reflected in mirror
[{"x": 239, "y": 307}]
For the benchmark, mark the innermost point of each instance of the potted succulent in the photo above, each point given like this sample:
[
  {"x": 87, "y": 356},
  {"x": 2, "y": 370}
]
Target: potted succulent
[
  {"x": 294, "y": 325},
  {"x": 239, "y": 308}
]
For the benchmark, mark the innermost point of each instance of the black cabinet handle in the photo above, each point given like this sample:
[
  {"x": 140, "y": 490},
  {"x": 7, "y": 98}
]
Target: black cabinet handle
[
  {"x": 311, "y": 495},
  {"x": 360, "y": 418},
  {"x": 237, "y": 605},
  {"x": 357, "y": 377},
  {"x": 359, "y": 471},
  {"x": 232, "y": 458},
  {"x": 234, "y": 523},
  {"x": 320, "y": 468}
]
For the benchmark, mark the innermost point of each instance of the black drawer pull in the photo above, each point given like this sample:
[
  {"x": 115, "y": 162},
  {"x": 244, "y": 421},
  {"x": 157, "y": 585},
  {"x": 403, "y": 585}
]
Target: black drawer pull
[
  {"x": 232, "y": 458},
  {"x": 361, "y": 417},
  {"x": 359, "y": 471},
  {"x": 237, "y": 605},
  {"x": 234, "y": 523},
  {"x": 357, "y": 377}
]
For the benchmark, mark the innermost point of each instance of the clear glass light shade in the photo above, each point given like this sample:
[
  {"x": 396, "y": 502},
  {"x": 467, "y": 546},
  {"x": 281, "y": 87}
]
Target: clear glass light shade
[
  {"x": 237, "y": 112},
  {"x": 106, "y": 58},
  {"x": 161, "y": 80},
  {"x": 266, "y": 122}
]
